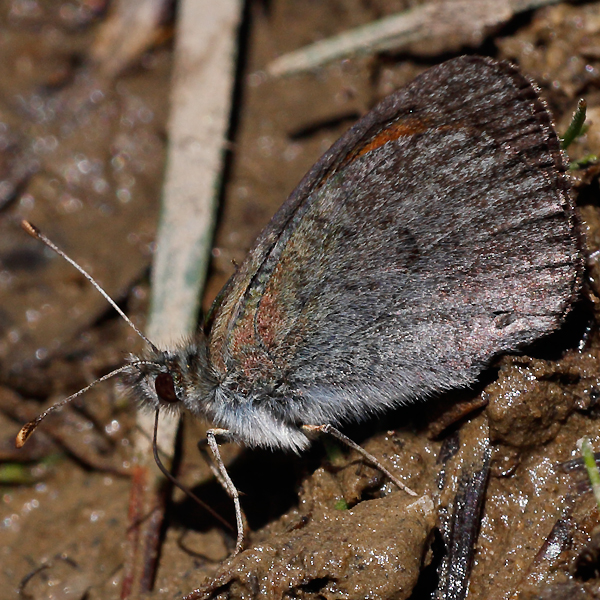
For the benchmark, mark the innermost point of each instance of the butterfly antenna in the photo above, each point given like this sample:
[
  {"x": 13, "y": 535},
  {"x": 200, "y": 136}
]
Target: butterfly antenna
[
  {"x": 34, "y": 232},
  {"x": 30, "y": 427}
]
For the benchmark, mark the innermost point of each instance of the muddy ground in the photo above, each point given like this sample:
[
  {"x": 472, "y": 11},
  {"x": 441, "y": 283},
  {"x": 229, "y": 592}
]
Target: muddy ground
[{"x": 83, "y": 158}]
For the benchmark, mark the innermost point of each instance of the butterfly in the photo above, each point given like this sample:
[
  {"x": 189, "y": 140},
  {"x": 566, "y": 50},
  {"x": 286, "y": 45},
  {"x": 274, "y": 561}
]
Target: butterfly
[{"x": 436, "y": 234}]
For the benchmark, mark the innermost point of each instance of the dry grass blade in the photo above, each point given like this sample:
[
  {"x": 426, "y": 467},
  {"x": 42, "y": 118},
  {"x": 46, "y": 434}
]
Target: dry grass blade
[
  {"x": 201, "y": 98},
  {"x": 428, "y": 29}
]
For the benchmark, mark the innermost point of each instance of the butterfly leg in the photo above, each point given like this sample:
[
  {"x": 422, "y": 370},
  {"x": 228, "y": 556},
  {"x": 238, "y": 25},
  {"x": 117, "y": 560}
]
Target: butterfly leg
[
  {"x": 210, "y": 461},
  {"x": 225, "y": 481},
  {"x": 338, "y": 435}
]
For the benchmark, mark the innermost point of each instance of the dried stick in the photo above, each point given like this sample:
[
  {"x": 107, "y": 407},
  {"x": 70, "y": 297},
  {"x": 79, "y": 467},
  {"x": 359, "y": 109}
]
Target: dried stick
[{"x": 205, "y": 55}]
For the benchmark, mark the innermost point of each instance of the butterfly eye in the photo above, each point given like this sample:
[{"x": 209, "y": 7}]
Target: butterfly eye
[{"x": 165, "y": 388}]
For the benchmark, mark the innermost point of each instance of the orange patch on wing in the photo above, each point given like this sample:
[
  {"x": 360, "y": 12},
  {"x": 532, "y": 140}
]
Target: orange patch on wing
[
  {"x": 401, "y": 128},
  {"x": 254, "y": 363},
  {"x": 242, "y": 335},
  {"x": 271, "y": 315},
  {"x": 268, "y": 318}
]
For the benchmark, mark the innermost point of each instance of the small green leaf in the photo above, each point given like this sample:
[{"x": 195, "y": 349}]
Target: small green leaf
[
  {"x": 592, "y": 469},
  {"x": 341, "y": 504},
  {"x": 576, "y": 128},
  {"x": 583, "y": 162},
  {"x": 15, "y": 474}
]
